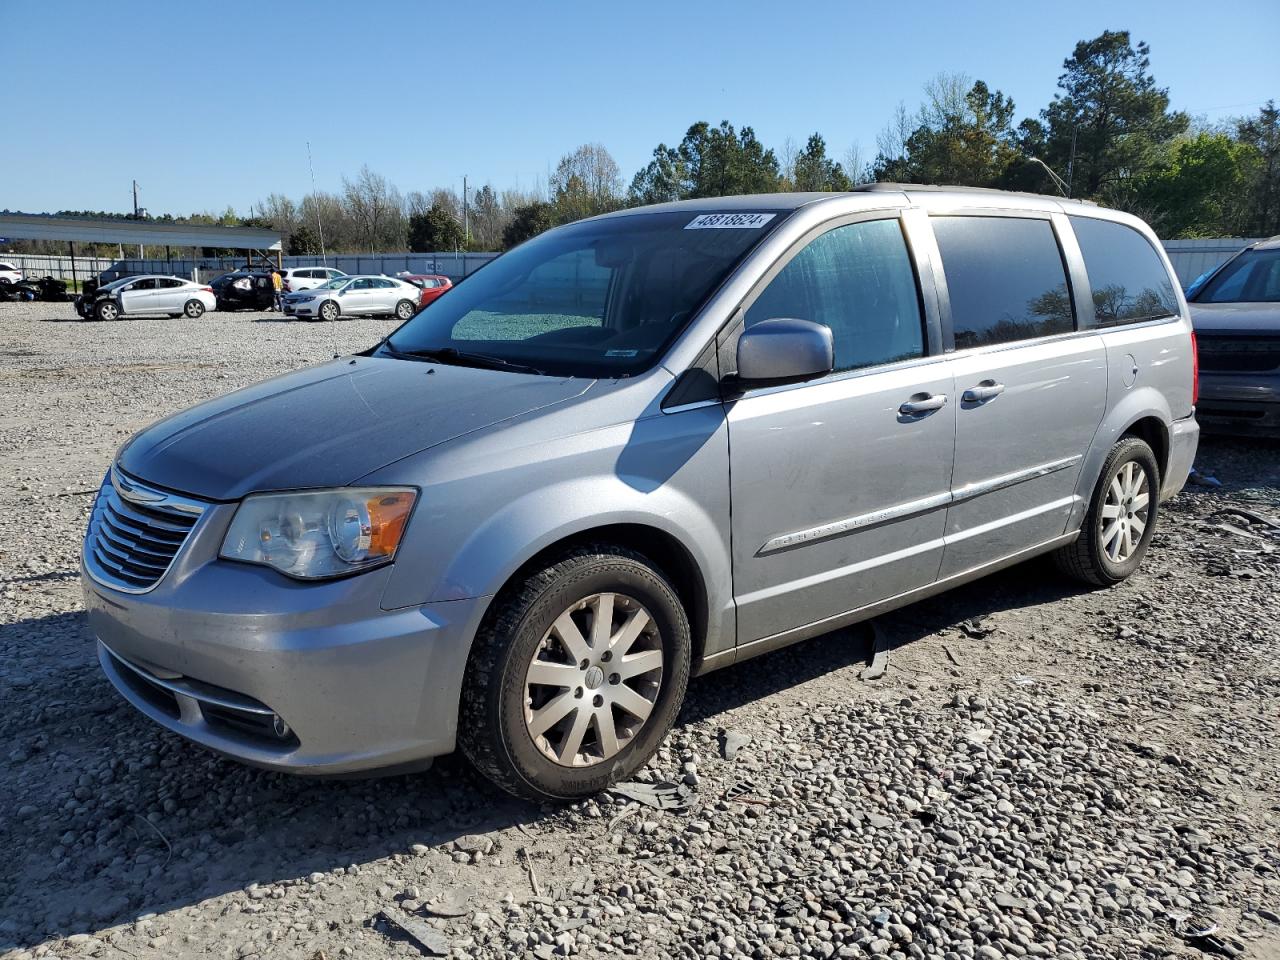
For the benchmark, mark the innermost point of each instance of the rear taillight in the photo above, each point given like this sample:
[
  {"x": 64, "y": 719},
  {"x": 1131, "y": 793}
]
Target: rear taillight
[
  {"x": 1195, "y": 370},
  {"x": 287, "y": 288},
  {"x": 207, "y": 289}
]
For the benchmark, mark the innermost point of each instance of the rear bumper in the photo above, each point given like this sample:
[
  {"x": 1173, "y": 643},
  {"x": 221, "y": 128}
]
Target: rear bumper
[{"x": 1184, "y": 438}]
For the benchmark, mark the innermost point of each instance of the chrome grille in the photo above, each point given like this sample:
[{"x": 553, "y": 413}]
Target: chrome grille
[{"x": 135, "y": 531}]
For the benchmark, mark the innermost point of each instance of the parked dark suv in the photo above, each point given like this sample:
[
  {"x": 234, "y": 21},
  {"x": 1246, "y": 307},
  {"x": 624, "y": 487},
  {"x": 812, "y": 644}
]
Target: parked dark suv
[
  {"x": 1236, "y": 313},
  {"x": 245, "y": 290}
]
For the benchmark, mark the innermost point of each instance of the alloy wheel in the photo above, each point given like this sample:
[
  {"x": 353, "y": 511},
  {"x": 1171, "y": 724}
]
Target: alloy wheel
[
  {"x": 593, "y": 680},
  {"x": 1125, "y": 512}
]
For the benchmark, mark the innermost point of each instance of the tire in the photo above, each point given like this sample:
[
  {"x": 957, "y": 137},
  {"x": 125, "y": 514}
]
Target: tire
[
  {"x": 193, "y": 309},
  {"x": 1106, "y": 552},
  {"x": 107, "y": 310},
  {"x": 404, "y": 309},
  {"x": 329, "y": 311},
  {"x": 503, "y": 698}
]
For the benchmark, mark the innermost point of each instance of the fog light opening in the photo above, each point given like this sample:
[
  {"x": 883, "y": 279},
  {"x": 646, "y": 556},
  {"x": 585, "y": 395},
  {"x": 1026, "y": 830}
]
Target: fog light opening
[{"x": 279, "y": 727}]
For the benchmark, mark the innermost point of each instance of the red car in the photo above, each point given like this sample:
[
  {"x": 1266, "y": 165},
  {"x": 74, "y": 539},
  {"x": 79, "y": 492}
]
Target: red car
[{"x": 432, "y": 285}]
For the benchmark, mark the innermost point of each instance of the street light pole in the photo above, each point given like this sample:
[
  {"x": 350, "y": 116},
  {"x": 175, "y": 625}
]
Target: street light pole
[{"x": 1058, "y": 182}]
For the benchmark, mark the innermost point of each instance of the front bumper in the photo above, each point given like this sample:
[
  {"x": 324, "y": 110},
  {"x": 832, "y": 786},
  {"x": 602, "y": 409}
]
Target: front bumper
[
  {"x": 1240, "y": 403},
  {"x": 299, "y": 309},
  {"x": 218, "y": 650}
]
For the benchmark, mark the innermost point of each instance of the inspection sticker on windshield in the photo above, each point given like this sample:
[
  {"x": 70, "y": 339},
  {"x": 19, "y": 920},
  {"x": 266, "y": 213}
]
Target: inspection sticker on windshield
[{"x": 729, "y": 221}]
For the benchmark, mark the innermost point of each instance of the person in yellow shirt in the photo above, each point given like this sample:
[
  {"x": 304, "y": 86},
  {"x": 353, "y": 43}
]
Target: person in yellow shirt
[{"x": 278, "y": 284}]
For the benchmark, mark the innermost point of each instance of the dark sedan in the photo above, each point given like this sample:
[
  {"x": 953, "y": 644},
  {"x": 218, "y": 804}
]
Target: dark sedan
[{"x": 1236, "y": 312}]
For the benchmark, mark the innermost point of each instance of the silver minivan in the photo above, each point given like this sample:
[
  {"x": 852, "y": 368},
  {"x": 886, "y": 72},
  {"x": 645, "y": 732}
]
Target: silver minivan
[{"x": 636, "y": 448}]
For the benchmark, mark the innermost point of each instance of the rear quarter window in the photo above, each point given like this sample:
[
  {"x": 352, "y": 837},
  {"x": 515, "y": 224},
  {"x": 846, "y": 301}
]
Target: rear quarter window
[{"x": 1128, "y": 280}]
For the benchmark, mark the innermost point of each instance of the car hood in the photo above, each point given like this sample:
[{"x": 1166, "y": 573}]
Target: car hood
[
  {"x": 1241, "y": 318},
  {"x": 330, "y": 425}
]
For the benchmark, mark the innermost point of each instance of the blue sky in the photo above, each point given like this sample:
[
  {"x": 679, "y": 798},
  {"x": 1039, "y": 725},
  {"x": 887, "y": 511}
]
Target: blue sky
[{"x": 212, "y": 104}]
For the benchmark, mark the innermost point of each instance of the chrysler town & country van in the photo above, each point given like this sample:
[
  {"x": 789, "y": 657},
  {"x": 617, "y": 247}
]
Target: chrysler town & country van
[{"x": 636, "y": 448}]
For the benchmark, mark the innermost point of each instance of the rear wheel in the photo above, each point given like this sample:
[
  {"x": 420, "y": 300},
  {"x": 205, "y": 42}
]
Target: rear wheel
[
  {"x": 107, "y": 310},
  {"x": 328, "y": 310},
  {"x": 576, "y": 676},
  {"x": 404, "y": 309},
  {"x": 1121, "y": 518},
  {"x": 194, "y": 309}
]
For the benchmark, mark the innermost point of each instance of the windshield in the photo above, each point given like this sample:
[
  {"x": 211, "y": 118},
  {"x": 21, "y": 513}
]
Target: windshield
[
  {"x": 1252, "y": 277},
  {"x": 336, "y": 284},
  {"x": 602, "y": 298}
]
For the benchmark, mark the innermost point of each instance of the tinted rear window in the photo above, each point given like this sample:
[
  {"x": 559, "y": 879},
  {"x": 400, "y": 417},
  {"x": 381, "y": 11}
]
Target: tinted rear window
[
  {"x": 1128, "y": 280},
  {"x": 1005, "y": 279}
]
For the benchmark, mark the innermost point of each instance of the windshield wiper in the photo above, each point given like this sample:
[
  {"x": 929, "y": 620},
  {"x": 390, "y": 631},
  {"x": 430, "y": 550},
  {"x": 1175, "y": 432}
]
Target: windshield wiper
[{"x": 463, "y": 358}]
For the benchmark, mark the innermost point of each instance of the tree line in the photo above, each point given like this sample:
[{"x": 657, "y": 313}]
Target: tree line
[{"x": 1110, "y": 134}]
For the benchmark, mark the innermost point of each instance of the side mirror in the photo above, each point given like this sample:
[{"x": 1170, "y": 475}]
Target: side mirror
[{"x": 783, "y": 350}]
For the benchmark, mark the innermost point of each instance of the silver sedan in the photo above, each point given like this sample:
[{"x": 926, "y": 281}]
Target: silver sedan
[{"x": 353, "y": 297}]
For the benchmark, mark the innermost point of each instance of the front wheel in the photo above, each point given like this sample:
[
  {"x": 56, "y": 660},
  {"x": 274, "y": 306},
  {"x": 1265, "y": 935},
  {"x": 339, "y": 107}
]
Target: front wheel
[
  {"x": 107, "y": 310},
  {"x": 329, "y": 310},
  {"x": 404, "y": 309},
  {"x": 1121, "y": 518},
  {"x": 576, "y": 676},
  {"x": 194, "y": 309}
]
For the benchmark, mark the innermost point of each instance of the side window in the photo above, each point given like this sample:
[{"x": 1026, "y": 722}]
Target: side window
[
  {"x": 1005, "y": 279},
  {"x": 1128, "y": 281},
  {"x": 858, "y": 280},
  {"x": 147, "y": 284}
]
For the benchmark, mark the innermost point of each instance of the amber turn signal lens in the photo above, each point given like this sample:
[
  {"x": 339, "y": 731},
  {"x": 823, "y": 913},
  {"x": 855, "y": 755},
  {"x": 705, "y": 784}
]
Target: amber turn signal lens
[{"x": 388, "y": 514}]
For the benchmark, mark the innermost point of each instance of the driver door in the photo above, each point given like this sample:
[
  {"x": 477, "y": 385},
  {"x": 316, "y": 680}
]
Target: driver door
[
  {"x": 840, "y": 485},
  {"x": 139, "y": 296}
]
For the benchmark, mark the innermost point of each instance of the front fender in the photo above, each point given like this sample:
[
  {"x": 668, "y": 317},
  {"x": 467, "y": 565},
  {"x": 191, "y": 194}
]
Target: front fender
[{"x": 493, "y": 502}]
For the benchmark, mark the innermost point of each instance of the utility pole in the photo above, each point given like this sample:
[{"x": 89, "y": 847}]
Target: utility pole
[
  {"x": 466, "y": 215},
  {"x": 135, "y": 212}
]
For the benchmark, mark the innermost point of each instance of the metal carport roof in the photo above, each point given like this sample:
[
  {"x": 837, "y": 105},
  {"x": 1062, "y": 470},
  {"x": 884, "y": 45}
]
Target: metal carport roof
[{"x": 27, "y": 226}]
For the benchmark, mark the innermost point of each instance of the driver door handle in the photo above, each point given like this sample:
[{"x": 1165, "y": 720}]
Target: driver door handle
[
  {"x": 923, "y": 403},
  {"x": 986, "y": 390}
]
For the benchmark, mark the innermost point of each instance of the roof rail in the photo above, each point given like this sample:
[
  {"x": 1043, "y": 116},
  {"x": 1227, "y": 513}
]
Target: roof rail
[{"x": 885, "y": 187}]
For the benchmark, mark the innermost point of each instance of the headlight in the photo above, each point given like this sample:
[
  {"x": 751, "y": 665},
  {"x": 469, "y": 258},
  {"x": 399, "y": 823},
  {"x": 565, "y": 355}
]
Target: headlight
[
  {"x": 303, "y": 299},
  {"x": 323, "y": 533}
]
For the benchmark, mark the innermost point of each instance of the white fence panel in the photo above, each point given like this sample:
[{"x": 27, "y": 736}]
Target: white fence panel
[{"x": 1190, "y": 258}]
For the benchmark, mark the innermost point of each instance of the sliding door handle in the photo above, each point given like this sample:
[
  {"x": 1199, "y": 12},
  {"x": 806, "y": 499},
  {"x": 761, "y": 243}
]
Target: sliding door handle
[{"x": 986, "y": 390}]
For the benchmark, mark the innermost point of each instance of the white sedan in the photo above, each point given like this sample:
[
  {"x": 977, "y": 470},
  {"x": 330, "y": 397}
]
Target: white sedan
[
  {"x": 138, "y": 295},
  {"x": 353, "y": 297}
]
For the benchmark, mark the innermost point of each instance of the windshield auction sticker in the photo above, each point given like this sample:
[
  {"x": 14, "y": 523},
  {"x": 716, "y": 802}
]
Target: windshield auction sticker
[{"x": 729, "y": 221}]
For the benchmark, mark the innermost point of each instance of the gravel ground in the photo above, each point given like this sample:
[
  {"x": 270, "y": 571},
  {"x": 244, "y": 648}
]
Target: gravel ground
[{"x": 1043, "y": 771}]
